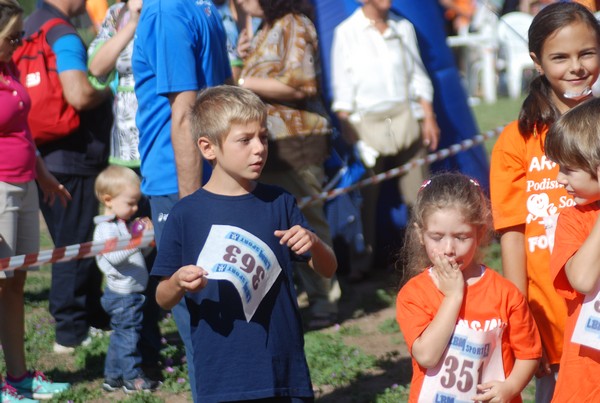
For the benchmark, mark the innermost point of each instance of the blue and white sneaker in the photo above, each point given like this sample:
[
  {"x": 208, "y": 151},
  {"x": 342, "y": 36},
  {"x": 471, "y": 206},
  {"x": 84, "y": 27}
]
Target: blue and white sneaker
[
  {"x": 36, "y": 385},
  {"x": 8, "y": 394}
]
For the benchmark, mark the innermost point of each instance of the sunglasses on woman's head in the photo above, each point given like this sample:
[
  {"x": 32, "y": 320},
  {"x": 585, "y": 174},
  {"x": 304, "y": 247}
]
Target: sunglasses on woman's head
[{"x": 16, "y": 39}]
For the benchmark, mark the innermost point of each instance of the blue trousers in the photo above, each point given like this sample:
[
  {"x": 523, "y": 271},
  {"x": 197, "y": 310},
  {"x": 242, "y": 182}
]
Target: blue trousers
[
  {"x": 123, "y": 358},
  {"x": 161, "y": 206}
]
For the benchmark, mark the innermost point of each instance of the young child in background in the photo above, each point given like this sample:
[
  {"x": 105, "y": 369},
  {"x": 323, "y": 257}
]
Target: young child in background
[
  {"x": 469, "y": 331},
  {"x": 573, "y": 142},
  {"x": 118, "y": 189},
  {"x": 246, "y": 332},
  {"x": 564, "y": 41}
]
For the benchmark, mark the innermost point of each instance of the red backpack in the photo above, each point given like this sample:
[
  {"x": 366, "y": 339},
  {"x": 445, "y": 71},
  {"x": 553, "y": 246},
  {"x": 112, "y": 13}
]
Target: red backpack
[{"x": 51, "y": 117}]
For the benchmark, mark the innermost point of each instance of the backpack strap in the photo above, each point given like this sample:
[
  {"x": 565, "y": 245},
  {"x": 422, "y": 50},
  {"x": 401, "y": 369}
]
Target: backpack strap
[
  {"x": 48, "y": 25},
  {"x": 51, "y": 24}
]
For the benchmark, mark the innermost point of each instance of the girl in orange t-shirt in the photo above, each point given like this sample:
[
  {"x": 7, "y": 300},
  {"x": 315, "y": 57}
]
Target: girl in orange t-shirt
[
  {"x": 564, "y": 41},
  {"x": 468, "y": 329}
]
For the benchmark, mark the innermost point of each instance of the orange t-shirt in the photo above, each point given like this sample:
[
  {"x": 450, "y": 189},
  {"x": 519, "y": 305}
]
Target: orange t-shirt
[
  {"x": 524, "y": 190},
  {"x": 96, "y": 9},
  {"x": 579, "y": 375},
  {"x": 491, "y": 302},
  {"x": 588, "y": 3}
]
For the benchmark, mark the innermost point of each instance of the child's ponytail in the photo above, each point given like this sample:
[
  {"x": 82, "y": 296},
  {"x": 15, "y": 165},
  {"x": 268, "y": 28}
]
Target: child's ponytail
[{"x": 537, "y": 111}]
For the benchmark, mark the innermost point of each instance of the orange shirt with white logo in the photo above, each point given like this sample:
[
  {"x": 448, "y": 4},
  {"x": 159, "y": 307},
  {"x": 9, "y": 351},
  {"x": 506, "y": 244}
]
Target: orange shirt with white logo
[{"x": 524, "y": 191}]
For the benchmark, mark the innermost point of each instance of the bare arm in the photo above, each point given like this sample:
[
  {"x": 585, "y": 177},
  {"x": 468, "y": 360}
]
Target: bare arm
[
  {"x": 300, "y": 240},
  {"x": 187, "y": 155},
  {"x": 271, "y": 88},
  {"x": 504, "y": 391},
  {"x": 429, "y": 347},
  {"x": 323, "y": 259},
  {"x": 429, "y": 126},
  {"x": 103, "y": 62},
  {"x": 51, "y": 188},
  {"x": 514, "y": 267},
  {"x": 582, "y": 269},
  {"x": 347, "y": 130},
  {"x": 170, "y": 290},
  {"x": 78, "y": 91}
]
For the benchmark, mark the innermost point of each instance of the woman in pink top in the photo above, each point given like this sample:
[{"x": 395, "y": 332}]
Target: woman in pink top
[{"x": 19, "y": 211}]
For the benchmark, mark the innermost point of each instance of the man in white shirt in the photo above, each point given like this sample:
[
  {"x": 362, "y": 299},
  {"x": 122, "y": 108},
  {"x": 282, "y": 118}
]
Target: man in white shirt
[{"x": 377, "y": 71}]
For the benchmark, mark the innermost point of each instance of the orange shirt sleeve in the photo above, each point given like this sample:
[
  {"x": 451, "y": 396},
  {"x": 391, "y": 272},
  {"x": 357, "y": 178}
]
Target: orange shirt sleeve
[
  {"x": 416, "y": 307},
  {"x": 524, "y": 337},
  {"x": 508, "y": 167},
  {"x": 573, "y": 227}
]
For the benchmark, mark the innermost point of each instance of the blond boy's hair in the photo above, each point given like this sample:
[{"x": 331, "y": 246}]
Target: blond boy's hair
[
  {"x": 573, "y": 141},
  {"x": 217, "y": 108},
  {"x": 113, "y": 180}
]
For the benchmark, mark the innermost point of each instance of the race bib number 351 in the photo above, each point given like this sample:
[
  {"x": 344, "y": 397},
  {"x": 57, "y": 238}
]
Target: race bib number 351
[
  {"x": 472, "y": 357},
  {"x": 233, "y": 254}
]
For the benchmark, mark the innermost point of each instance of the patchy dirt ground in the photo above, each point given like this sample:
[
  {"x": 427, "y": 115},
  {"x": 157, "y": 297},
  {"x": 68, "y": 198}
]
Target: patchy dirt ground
[{"x": 363, "y": 306}]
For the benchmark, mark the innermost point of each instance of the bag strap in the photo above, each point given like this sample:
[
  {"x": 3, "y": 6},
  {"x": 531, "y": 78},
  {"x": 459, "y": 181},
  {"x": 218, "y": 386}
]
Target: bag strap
[
  {"x": 405, "y": 53},
  {"x": 120, "y": 16}
]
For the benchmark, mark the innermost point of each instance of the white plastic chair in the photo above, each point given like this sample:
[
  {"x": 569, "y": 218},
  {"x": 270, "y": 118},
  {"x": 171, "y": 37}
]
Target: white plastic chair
[{"x": 512, "y": 39}]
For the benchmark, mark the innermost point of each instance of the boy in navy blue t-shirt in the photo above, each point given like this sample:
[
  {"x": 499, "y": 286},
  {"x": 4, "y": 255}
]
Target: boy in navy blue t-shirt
[{"x": 246, "y": 331}]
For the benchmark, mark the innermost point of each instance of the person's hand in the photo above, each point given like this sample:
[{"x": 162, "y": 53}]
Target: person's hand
[
  {"x": 243, "y": 45},
  {"x": 147, "y": 222},
  {"x": 191, "y": 278},
  {"x": 493, "y": 392},
  {"x": 430, "y": 132},
  {"x": 447, "y": 276},
  {"x": 51, "y": 188},
  {"x": 544, "y": 365},
  {"x": 298, "y": 239},
  {"x": 347, "y": 130},
  {"x": 135, "y": 9}
]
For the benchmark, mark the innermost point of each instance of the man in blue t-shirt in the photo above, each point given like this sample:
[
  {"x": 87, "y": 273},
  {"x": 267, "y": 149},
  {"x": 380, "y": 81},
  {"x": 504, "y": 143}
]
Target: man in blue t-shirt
[
  {"x": 75, "y": 160},
  {"x": 179, "y": 49},
  {"x": 227, "y": 252}
]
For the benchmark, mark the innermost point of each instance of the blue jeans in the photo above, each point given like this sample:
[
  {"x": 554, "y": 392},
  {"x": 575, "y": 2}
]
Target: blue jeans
[
  {"x": 161, "y": 206},
  {"x": 123, "y": 358}
]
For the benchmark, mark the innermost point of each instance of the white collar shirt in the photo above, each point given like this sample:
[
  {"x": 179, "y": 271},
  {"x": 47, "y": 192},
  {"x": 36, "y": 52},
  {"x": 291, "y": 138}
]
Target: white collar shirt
[{"x": 374, "y": 72}]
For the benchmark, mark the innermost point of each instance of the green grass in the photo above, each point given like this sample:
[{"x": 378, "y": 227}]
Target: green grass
[
  {"x": 492, "y": 116},
  {"x": 332, "y": 362}
]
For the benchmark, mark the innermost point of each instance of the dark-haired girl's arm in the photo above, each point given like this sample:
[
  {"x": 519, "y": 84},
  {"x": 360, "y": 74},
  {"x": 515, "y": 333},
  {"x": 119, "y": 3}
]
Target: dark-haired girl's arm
[{"x": 514, "y": 266}]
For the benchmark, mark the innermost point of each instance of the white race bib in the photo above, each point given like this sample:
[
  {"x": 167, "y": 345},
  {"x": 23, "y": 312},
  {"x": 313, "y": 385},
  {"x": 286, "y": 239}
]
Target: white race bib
[
  {"x": 472, "y": 357},
  {"x": 587, "y": 328},
  {"x": 233, "y": 254}
]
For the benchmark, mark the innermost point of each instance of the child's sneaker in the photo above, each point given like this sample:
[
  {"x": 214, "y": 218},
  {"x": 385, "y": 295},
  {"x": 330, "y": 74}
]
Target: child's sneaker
[
  {"x": 140, "y": 384},
  {"x": 36, "y": 385},
  {"x": 8, "y": 394},
  {"x": 111, "y": 384}
]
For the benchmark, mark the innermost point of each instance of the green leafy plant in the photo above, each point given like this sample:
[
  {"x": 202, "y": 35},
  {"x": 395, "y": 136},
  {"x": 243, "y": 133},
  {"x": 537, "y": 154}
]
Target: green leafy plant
[
  {"x": 331, "y": 362},
  {"x": 389, "y": 326},
  {"x": 351, "y": 330},
  {"x": 393, "y": 394}
]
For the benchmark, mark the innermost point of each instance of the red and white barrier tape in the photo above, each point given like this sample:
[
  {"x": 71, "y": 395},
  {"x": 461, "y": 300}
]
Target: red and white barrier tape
[
  {"x": 94, "y": 248},
  {"x": 402, "y": 169},
  {"x": 79, "y": 251}
]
